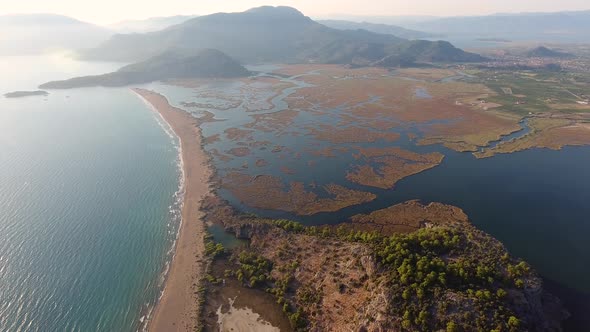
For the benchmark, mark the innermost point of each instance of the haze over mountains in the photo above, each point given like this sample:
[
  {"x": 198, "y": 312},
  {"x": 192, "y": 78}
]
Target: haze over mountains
[
  {"x": 38, "y": 33},
  {"x": 378, "y": 28},
  {"x": 276, "y": 34},
  {"x": 22, "y": 34},
  {"x": 149, "y": 24},
  {"x": 544, "y": 52},
  {"x": 542, "y": 27},
  {"x": 29, "y": 34}
]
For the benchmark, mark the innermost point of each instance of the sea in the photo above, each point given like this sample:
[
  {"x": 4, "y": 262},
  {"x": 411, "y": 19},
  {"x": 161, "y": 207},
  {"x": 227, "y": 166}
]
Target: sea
[{"x": 89, "y": 198}]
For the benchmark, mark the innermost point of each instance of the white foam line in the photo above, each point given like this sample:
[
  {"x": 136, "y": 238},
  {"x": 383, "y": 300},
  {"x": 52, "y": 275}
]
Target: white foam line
[{"x": 179, "y": 203}]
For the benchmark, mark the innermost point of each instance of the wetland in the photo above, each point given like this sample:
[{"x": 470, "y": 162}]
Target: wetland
[{"x": 323, "y": 145}]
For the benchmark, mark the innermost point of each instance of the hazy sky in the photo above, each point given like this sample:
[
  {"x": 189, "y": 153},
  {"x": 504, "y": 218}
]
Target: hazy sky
[{"x": 110, "y": 11}]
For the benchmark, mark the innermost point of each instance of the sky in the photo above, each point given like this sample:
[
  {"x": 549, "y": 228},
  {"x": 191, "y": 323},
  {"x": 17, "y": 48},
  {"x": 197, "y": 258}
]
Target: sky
[{"x": 111, "y": 11}]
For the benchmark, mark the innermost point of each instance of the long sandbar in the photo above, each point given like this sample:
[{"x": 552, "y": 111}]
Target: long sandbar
[{"x": 178, "y": 308}]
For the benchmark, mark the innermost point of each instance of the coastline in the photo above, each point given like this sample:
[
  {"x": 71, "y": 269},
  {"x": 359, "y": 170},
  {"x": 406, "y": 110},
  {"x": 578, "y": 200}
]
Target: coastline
[{"x": 178, "y": 307}]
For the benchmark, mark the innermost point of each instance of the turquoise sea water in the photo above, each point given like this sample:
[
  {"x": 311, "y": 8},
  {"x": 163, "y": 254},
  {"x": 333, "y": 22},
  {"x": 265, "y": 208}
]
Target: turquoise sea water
[{"x": 88, "y": 191}]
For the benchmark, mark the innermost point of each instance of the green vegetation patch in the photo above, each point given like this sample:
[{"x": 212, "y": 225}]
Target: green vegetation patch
[
  {"x": 535, "y": 91},
  {"x": 213, "y": 249},
  {"x": 254, "y": 271},
  {"x": 449, "y": 279}
]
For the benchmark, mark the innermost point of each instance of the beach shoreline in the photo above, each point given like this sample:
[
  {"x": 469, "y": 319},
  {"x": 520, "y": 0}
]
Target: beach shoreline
[{"x": 178, "y": 307}]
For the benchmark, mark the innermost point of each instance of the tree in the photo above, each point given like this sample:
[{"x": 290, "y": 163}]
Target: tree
[
  {"x": 420, "y": 293},
  {"x": 513, "y": 323},
  {"x": 406, "y": 294},
  {"x": 422, "y": 318},
  {"x": 452, "y": 327},
  {"x": 406, "y": 324}
]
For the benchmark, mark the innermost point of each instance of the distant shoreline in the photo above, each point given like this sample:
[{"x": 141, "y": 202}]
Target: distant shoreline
[{"x": 178, "y": 307}]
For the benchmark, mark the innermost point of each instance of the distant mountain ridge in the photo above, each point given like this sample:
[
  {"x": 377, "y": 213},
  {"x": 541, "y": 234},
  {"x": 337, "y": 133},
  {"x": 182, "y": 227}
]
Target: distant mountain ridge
[
  {"x": 377, "y": 28},
  {"x": 39, "y": 19},
  {"x": 263, "y": 35},
  {"x": 207, "y": 63},
  {"x": 25, "y": 34},
  {"x": 573, "y": 26}
]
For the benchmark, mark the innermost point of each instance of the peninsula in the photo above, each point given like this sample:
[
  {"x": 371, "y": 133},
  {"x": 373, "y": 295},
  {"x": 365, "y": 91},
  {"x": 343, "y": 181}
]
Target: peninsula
[{"x": 171, "y": 64}]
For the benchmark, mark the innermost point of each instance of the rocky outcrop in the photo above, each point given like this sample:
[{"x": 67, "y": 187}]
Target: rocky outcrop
[{"x": 341, "y": 279}]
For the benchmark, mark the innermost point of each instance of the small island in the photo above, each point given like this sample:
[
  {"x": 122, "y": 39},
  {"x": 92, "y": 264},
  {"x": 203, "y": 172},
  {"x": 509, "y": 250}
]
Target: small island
[{"x": 20, "y": 94}]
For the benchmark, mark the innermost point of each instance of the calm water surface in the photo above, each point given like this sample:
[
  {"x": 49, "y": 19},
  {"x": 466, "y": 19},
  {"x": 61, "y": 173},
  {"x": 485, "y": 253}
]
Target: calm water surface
[{"x": 88, "y": 179}]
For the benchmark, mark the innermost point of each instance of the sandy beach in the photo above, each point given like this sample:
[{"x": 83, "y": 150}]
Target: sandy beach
[{"x": 178, "y": 308}]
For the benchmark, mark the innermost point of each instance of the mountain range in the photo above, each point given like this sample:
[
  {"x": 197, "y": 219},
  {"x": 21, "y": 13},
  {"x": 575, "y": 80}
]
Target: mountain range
[
  {"x": 24, "y": 34},
  {"x": 276, "y": 35}
]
